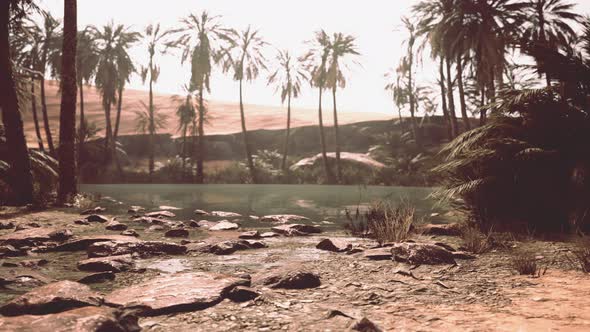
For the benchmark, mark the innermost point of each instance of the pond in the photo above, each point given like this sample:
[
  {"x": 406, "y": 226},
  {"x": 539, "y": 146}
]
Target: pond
[{"x": 317, "y": 202}]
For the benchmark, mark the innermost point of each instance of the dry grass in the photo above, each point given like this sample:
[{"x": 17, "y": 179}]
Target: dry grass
[
  {"x": 475, "y": 241},
  {"x": 383, "y": 221},
  {"x": 581, "y": 259},
  {"x": 526, "y": 264}
]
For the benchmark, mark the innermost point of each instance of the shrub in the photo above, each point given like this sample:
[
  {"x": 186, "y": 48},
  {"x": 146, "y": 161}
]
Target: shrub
[
  {"x": 526, "y": 264},
  {"x": 582, "y": 259},
  {"x": 383, "y": 221},
  {"x": 475, "y": 241}
]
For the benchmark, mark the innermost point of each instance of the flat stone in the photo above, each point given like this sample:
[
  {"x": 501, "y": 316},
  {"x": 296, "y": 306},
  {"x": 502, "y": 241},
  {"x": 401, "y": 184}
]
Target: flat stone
[
  {"x": 206, "y": 223},
  {"x": 296, "y": 229},
  {"x": 10, "y": 251},
  {"x": 283, "y": 218},
  {"x": 143, "y": 248},
  {"x": 160, "y": 214},
  {"x": 97, "y": 218},
  {"x": 96, "y": 210},
  {"x": 463, "y": 255},
  {"x": 451, "y": 229},
  {"x": 224, "y": 225},
  {"x": 33, "y": 263},
  {"x": 28, "y": 225},
  {"x": 290, "y": 279},
  {"x": 22, "y": 279},
  {"x": 6, "y": 225},
  {"x": 96, "y": 278},
  {"x": 118, "y": 263},
  {"x": 178, "y": 232},
  {"x": 223, "y": 214},
  {"x": 242, "y": 294},
  {"x": 135, "y": 209},
  {"x": 30, "y": 237},
  {"x": 115, "y": 226},
  {"x": 82, "y": 222},
  {"x": 194, "y": 224},
  {"x": 182, "y": 292},
  {"x": 421, "y": 253},
  {"x": 250, "y": 235},
  {"x": 378, "y": 254},
  {"x": 155, "y": 228},
  {"x": 334, "y": 245},
  {"x": 55, "y": 297},
  {"x": 83, "y": 242},
  {"x": 201, "y": 212},
  {"x": 130, "y": 232},
  {"x": 269, "y": 234},
  {"x": 226, "y": 247},
  {"x": 87, "y": 319}
]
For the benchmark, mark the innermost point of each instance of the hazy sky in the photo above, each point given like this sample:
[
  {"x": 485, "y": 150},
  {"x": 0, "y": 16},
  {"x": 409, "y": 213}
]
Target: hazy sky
[{"x": 286, "y": 25}]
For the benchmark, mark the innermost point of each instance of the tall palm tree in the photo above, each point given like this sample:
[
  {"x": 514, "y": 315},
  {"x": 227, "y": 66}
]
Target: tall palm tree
[
  {"x": 147, "y": 122},
  {"x": 154, "y": 36},
  {"x": 186, "y": 114},
  {"x": 343, "y": 47},
  {"x": 49, "y": 35},
  {"x": 21, "y": 179},
  {"x": 549, "y": 24},
  {"x": 245, "y": 60},
  {"x": 67, "y": 128},
  {"x": 316, "y": 60},
  {"x": 125, "y": 70},
  {"x": 399, "y": 95},
  {"x": 406, "y": 69},
  {"x": 112, "y": 42},
  {"x": 287, "y": 78},
  {"x": 202, "y": 40}
]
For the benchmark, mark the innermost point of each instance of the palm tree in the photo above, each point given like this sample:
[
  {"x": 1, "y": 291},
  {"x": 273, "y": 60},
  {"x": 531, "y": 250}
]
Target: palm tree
[
  {"x": 245, "y": 60},
  {"x": 343, "y": 46},
  {"x": 202, "y": 39},
  {"x": 125, "y": 70},
  {"x": 154, "y": 36},
  {"x": 287, "y": 78},
  {"x": 49, "y": 37},
  {"x": 67, "y": 128},
  {"x": 406, "y": 69},
  {"x": 21, "y": 179},
  {"x": 317, "y": 60},
  {"x": 147, "y": 122},
  {"x": 86, "y": 65},
  {"x": 112, "y": 43},
  {"x": 549, "y": 26},
  {"x": 185, "y": 111},
  {"x": 398, "y": 93}
]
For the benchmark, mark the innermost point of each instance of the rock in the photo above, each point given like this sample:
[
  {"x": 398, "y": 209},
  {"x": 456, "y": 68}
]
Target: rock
[
  {"x": 242, "y": 294},
  {"x": 83, "y": 242},
  {"x": 452, "y": 229},
  {"x": 160, "y": 214},
  {"x": 96, "y": 278},
  {"x": 110, "y": 263},
  {"x": 201, "y": 212},
  {"x": 9, "y": 251},
  {"x": 291, "y": 279},
  {"x": 226, "y": 247},
  {"x": 134, "y": 209},
  {"x": 178, "y": 232},
  {"x": 61, "y": 235},
  {"x": 334, "y": 245},
  {"x": 359, "y": 160},
  {"x": 181, "y": 292},
  {"x": 283, "y": 218},
  {"x": 421, "y": 253},
  {"x": 155, "y": 228},
  {"x": 194, "y": 224},
  {"x": 81, "y": 222},
  {"x": 254, "y": 217},
  {"x": 130, "y": 232},
  {"x": 97, "y": 218},
  {"x": 143, "y": 248},
  {"x": 55, "y": 297},
  {"x": 249, "y": 235},
  {"x": 269, "y": 234},
  {"x": 33, "y": 263},
  {"x": 115, "y": 226},
  {"x": 28, "y": 225},
  {"x": 96, "y": 210},
  {"x": 206, "y": 223},
  {"x": 6, "y": 225},
  {"x": 29, "y": 237},
  {"x": 224, "y": 225},
  {"x": 365, "y": 325},
  {"x": 296, "y": 229},
  {"x": 22, "y": 279},
  {"x": 463, "y": 255},
  {"x": 87, "y": 319},
  {"x": 168, "y": 207},
  {"x": 223, "y": 214},
  {"x": 378, "y": 254},
  {"x": 446, "y": 246}
]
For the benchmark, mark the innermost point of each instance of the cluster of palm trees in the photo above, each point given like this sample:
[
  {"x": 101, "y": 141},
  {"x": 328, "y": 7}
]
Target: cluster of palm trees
[{"x": 472, "y": 42}]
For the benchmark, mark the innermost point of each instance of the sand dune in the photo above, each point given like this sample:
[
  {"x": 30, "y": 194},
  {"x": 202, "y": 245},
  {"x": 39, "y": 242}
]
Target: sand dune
[{"x": 224, "y": 116}]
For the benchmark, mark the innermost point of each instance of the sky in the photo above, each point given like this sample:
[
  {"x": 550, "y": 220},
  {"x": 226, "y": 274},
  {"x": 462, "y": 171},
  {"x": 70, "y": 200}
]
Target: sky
[{"x": 285, "y": 25}]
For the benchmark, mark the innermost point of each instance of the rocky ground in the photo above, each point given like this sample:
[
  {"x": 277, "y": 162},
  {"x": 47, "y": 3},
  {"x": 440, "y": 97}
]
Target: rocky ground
[{"x": 146, "y": 270}]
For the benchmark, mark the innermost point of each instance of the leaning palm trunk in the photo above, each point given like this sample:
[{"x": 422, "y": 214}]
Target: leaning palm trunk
[
  {"x": 119, "y": 106},
  {"x": 45, "y": 117},
  {"x": 246, "y": 141},
  {"x": 67, "y": 129},
  {"x": 287, "y": 133},
  {"x": 337, "y": 137},
  {"x": 35, "y": 118},
  {"x": 462, "y": 94},
  {"x": 451, "y": 100},
  {"x": 201, "y": 142},
  {"x": 483, "y": 111},
  {"x": 327, "y": 168},
  {"x": 446, "y": 118},
  {"x": 21, "y": 179}
]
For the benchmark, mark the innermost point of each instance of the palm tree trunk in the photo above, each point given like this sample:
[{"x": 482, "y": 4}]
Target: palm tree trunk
[
  {"x": 287, "y": 133},
  {"x": 45, "y": 117},
  {"x": 482, "y": 112},
  {"x": 462, "y": 94},
  {"x": 415, "y": 132},
  {"x": 327, "y": 168},
  {"x": 35, "y": 118},
  {"x": 451, "y": 100},
  {"x": 337, "y": 137},
  {"x": 67, "y": 120},
  {"x": 183, "y": 149},
  {"x": 443, "y": 97},
  {"x": 82, "y": 125},
  {"x": 119, "y": 106},
  {"x": 152, "y": 124},
  {"x": 246, "y": 141},
  {"x": 20, "y": 179},
  {"x": 201, "y": 143},
  {"x": 109, "y": 131}
]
